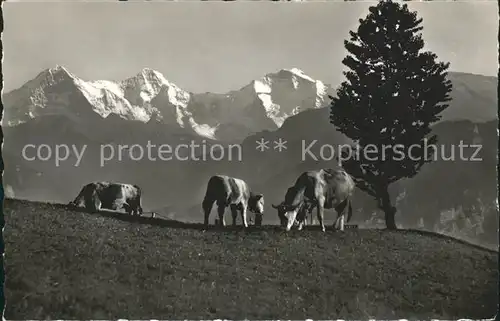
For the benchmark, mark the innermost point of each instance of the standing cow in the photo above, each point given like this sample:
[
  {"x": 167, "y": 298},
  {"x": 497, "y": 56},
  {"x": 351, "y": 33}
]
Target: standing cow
[
  {"x": 233, "y": 192},
  {"x": 113, "y": 196},
  {"x": 324, "y": 188}
]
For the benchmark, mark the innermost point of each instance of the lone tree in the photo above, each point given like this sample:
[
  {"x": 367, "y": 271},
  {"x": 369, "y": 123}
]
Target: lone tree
[{"x": 393, "y": 93}]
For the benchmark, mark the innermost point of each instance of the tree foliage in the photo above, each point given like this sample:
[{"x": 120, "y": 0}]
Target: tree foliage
[{"x": 393, "y": 92}]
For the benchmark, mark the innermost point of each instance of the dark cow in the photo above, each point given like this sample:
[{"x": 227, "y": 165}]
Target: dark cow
[
  {"x": 113, "y": 196},
  {"x": 324, "y": 188},
  {"x": 233, "y": 192}
]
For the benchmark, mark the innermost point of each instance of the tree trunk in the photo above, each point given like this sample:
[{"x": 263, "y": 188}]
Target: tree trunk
[
  {"x": 389, "y": 210},
  {"x": 390, "y": 222}
]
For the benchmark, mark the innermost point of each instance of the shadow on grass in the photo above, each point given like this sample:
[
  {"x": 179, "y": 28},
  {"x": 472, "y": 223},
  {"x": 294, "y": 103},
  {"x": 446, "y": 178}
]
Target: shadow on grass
[
  {"x": 453, "y": 239},
  {"x": 164, "y": 222},
  {"x": 170, "y": 223}
]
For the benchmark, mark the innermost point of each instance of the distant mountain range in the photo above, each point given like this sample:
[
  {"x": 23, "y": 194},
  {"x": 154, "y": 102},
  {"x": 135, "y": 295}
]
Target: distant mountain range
[
  {"x": 149, "y": 97},
  {"x": 263, "y": 104},
  {"x": 57, "y": 107}
]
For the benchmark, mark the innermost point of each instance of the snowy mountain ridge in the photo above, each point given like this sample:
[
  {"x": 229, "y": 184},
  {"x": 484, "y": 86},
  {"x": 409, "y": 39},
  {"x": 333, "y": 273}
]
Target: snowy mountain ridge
[{"x": 264, "y": 104}]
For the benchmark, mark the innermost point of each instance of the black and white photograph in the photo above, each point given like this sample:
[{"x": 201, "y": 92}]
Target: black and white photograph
[{"x": 250, "y": 160}]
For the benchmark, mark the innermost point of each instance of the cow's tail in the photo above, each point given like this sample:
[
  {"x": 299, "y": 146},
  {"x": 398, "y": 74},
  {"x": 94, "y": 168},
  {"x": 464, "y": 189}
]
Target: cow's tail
[
  {"x": 139, "y": 202},
  {"x": 139, "y": 199},
  {"x": 349, "y": 213},
  {"x": 138, "y": 189}
]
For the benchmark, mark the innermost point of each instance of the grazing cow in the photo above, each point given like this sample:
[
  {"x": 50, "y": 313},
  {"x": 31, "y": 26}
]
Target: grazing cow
[
  {"x": 113, "y": 196},
  {"x": 233, "y": 192},
  {"x": 324, "y": 188}
]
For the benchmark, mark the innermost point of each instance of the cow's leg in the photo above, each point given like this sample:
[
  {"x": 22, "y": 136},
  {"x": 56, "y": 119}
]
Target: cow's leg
[
  {"x": 339, "y": 222},
  {"x": 320, "y": 210},
  {"x": 207, "y": 208},
  {"x": 134, "y": 206},
  {"x": 244, "y": 214},
  {"x": 88, "y": 201},
  {"x": 234, "y": 213},
  {"x": 312, "y": 221},
  {"x": 221, "y": 208},
  {"x": 92, "y": 203},
  {"x": 127, "y": 208},
  {"x": 98, "y": 204},
  {"x": 302, "y": 221},
  {"x": 336, "y": 222}
]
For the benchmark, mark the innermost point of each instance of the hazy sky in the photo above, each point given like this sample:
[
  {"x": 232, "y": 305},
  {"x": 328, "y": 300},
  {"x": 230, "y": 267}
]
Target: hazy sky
[{"x": 217, "y": 46}]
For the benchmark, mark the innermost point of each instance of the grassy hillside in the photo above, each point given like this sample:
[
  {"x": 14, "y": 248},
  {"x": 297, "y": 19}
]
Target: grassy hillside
[{"x": 73, "y": 265}]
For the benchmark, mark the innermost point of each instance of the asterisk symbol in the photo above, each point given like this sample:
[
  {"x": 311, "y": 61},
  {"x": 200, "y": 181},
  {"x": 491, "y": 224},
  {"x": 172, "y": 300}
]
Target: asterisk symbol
[
  {"x": 262, "y": 144},
  {"x": 280, "y": 144}
]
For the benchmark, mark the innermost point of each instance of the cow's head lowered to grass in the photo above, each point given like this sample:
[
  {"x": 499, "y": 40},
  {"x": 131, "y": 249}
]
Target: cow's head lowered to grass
[
  {"x": 290, "y": 207},
  {"x": 287, "y": 214}
]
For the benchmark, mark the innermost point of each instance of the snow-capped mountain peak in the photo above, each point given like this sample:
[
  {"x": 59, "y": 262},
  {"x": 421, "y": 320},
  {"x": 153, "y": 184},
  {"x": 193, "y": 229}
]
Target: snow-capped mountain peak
[
  {"x": 58, "y": 91},
  {"x": 288, "y": 92},
  {"x": 49, "y": 77}
]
